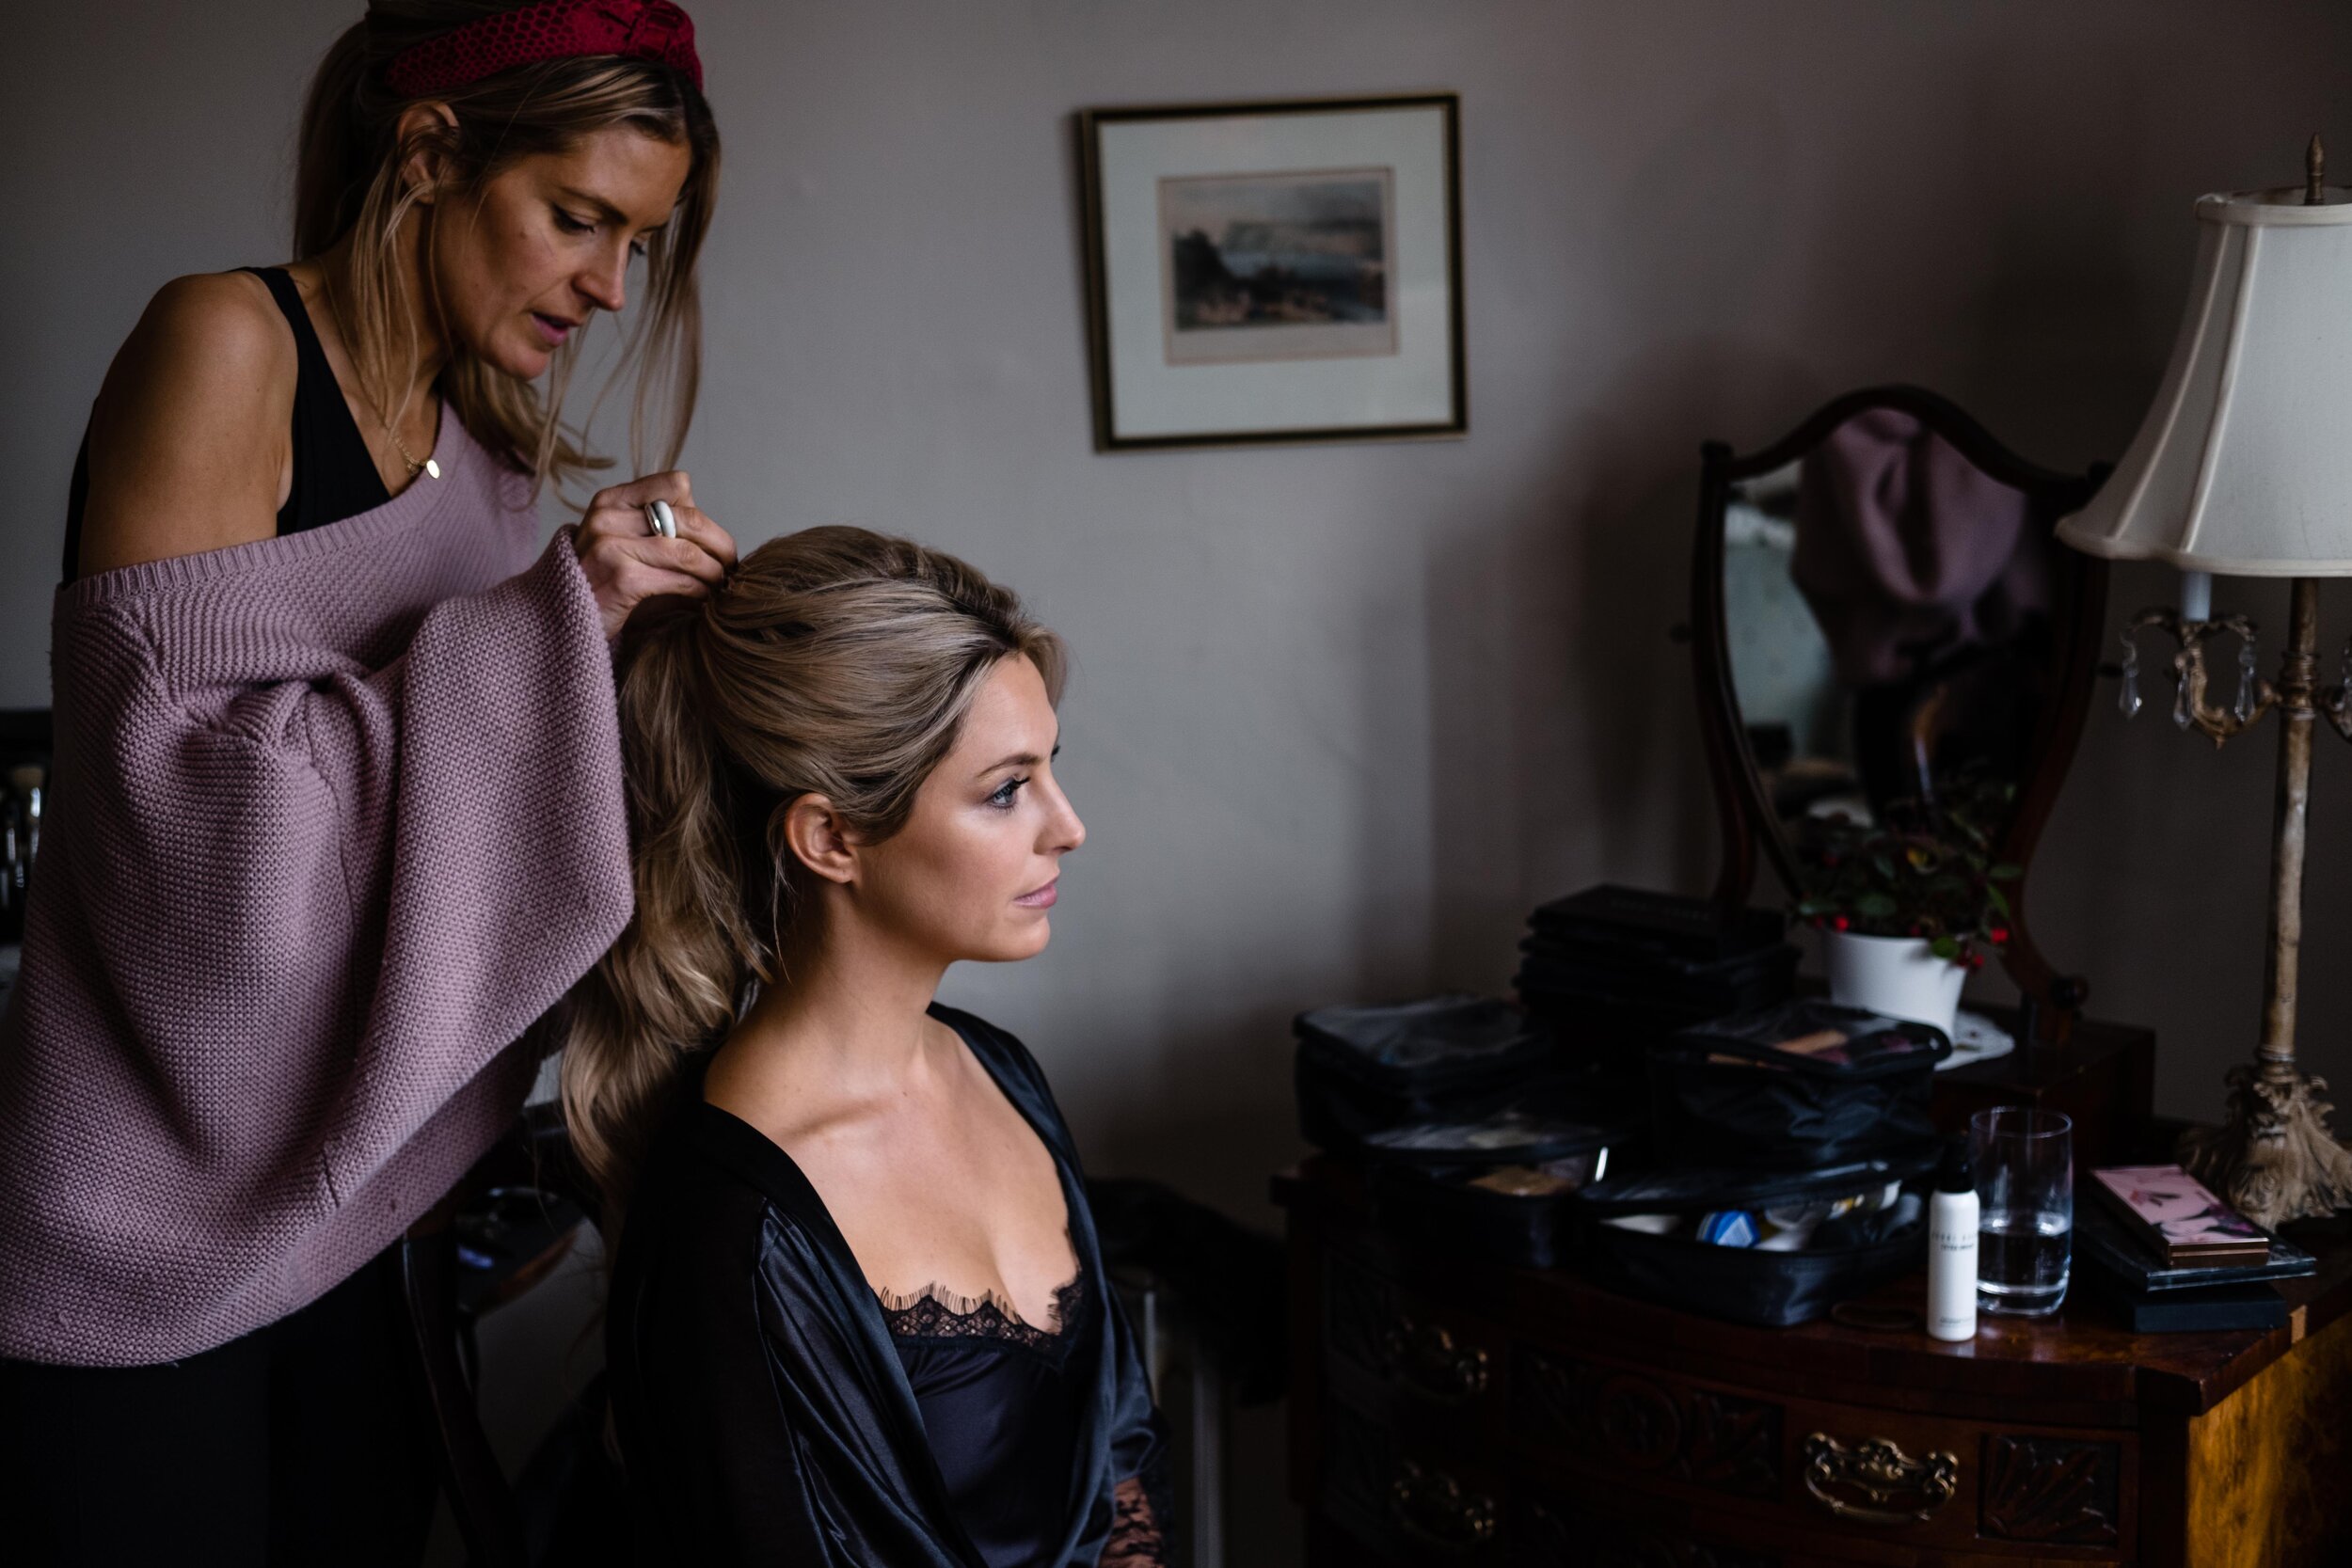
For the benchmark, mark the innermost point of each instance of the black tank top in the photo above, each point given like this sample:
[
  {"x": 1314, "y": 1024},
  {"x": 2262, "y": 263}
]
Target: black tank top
[{"x": 334, "y": 475}]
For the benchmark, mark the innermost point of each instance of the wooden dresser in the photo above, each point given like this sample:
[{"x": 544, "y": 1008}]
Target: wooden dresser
[{"x": 1449, "y": 1411}]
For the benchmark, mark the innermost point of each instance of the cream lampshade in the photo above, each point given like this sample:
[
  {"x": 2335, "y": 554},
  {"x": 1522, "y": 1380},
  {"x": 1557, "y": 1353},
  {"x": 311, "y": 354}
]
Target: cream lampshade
[{"x": 2243, "y": 467}]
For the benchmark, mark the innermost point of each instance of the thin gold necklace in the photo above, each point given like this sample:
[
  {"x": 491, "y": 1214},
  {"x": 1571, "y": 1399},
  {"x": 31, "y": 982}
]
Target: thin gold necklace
[{"x": 428, "y": 467}]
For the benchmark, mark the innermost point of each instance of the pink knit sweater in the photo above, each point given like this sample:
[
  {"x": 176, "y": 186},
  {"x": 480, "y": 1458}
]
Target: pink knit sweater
[{"x": 336, "y": 817}]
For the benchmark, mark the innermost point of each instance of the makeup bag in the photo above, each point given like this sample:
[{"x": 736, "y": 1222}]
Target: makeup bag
[
  {"x": 1613, "y": 970},
  {"x": 1664, "y": 927},
  {"x": 1362, "y": 1070},
  {"x": 1662, "y": 1256},
  {"x": 1794, "y": 1087},
  {"x": 1500, "y": 1186}
]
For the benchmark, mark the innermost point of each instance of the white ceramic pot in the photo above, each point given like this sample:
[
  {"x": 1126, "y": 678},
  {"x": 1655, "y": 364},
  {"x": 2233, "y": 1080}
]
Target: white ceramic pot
[{"x": 1898, "y": 976}]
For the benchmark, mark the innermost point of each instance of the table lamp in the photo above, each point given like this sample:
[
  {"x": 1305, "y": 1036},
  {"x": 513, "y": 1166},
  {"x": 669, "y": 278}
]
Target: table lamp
[{"x": 2244, "y": 469}]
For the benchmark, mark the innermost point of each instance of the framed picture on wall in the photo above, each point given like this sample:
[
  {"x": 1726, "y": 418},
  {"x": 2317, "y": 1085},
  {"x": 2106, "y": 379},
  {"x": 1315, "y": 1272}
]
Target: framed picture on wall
[{"x": 1275, "y": 272}]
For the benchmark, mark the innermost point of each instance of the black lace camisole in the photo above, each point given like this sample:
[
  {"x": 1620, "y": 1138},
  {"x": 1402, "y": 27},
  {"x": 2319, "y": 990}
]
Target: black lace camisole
[{"x": 1001, "y": 1416}]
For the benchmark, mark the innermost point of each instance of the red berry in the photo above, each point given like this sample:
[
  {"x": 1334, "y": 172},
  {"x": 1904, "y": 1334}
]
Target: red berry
[
  {"x": 1998, "y": 935},
  {"x": 1839, "y": 922}
]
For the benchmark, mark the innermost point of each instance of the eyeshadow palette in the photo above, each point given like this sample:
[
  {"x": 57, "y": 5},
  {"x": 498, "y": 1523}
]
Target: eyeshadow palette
[
  {"x": 2101, "y": 1238},
  {"x": 2178, "y": 1217}
]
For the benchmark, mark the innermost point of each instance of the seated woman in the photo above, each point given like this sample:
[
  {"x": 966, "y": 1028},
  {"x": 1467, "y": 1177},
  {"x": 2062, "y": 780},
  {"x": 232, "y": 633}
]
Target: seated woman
[{"x": 858, "y": 1313}]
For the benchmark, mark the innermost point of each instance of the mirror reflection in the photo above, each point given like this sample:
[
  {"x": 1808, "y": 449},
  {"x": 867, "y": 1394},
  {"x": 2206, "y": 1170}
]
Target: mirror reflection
[{"x": 1887, "y": 607}]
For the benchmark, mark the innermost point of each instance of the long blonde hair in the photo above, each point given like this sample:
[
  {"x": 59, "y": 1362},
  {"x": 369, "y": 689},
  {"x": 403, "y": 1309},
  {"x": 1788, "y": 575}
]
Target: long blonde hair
[
  {"x": 835, "y": 661},
  {"x": 348, "y": 181}
]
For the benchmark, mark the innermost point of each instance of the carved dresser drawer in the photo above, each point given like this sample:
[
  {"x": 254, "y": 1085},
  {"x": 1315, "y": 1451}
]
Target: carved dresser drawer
[
  {"x": 1791, "y": 1467},
  {"x": 1413, "y": 1501},
  {"x": 1417, "y": 1500},
  {"x": 1708, "y": 1479},
  {"x": 1436, "y": 1368}
]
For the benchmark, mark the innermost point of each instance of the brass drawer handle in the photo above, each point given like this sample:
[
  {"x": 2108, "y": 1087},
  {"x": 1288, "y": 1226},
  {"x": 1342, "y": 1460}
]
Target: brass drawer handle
[
  {"x": 1427, "y": 1361},
  {"x": 1431, "y": 1507},
  {"x": 1902, "y": 1490}
]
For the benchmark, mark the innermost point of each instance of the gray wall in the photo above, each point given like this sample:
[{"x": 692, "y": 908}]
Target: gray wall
[{"x": 1342, "y": 715}]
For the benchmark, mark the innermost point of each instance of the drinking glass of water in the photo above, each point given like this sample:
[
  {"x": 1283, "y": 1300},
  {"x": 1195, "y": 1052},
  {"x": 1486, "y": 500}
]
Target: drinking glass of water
[{"x": 2024, "y": 1161}]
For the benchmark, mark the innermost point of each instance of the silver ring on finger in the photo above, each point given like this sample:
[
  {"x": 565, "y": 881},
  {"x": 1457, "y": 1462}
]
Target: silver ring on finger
[{"x": 660, "y": 519}]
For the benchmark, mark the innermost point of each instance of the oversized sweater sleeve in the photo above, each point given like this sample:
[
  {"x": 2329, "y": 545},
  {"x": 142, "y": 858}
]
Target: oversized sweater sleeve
[{"x": 322, "y": 895}]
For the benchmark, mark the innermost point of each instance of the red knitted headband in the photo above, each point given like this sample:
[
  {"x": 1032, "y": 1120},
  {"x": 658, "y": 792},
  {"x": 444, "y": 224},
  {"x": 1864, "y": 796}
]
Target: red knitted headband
[{"x": 552, "y": 30}]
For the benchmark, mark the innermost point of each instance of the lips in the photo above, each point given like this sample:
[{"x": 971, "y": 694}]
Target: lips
[
  {"x": 553, "y": 329},
  {"x": 1044, "y": 898}
]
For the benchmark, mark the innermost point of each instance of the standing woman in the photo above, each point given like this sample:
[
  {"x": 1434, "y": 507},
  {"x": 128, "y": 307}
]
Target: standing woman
[{"x": 339, "y": 803}]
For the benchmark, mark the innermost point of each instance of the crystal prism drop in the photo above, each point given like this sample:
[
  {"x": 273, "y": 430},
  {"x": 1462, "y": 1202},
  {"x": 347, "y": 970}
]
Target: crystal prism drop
[
  {"x": 2127, "y": 698},
  {"x": 2182, "y": 717},
  {"x": 2243, "y": 709}
]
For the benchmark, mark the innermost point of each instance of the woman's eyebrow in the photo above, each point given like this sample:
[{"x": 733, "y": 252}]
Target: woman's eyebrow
[
  {"x": 605, "y": 210},
  {"x": 1021, "y": 759}
]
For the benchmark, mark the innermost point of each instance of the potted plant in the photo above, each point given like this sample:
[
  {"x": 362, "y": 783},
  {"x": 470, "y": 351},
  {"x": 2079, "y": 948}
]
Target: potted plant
[{"x": 1909, "y": 906}]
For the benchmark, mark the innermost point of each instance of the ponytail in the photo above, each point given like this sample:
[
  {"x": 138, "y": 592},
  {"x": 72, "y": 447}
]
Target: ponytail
[{"x": 671, "y": 986}]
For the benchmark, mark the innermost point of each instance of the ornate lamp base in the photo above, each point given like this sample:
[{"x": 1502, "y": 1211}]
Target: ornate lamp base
[{"x": 2274, "y": 1159}]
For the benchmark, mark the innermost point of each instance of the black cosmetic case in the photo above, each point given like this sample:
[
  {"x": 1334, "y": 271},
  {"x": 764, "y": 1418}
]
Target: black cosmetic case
[
  {"x": 1613, "y": 970},
  {"x": 1500, "y": 1186},
  {"x": 1661, "y": 927},
  {"x": 1362, "y": 1071},
  {"x": 1795, "y": 1086},
  {"x": 1847, "y": 1256}
]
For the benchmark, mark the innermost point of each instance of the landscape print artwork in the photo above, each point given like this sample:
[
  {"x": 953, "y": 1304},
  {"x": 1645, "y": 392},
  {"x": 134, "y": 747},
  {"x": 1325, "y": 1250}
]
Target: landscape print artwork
[
  {"x": 1281, "y": 271},
  {"x": 1269, "y": 267}
]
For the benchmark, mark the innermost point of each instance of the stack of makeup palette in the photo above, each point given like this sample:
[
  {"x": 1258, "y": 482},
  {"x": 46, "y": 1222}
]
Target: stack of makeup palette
[{"x": 2171, "y": 1256}]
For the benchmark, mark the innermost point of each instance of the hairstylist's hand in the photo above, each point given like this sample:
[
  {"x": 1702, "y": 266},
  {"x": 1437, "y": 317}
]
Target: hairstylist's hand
[{"x": 626, "y": 562}]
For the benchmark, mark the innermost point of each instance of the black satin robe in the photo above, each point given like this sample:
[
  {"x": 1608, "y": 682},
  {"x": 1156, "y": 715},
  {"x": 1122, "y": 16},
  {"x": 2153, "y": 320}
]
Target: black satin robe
[{"x": 763, "y": 1413}]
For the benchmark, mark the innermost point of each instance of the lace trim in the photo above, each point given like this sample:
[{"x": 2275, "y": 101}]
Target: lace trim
[
  {"x": 1136, "y": 1541},
  {"x": 935, "y": 1312}
]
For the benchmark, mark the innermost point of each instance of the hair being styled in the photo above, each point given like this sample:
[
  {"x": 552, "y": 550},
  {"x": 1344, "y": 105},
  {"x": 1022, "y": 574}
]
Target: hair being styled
[
  {"x": 836, "y": 663},
  {"x": 348, "y": 181}
]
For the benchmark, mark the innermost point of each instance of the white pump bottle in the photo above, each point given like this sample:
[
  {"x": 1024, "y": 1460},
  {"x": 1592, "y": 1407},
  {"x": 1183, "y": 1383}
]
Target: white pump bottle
[{"x": 1952, "y": 1216}]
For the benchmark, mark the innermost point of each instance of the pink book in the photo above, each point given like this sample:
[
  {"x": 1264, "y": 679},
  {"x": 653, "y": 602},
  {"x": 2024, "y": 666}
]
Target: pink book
[{"x": 2178, "y": 1215}]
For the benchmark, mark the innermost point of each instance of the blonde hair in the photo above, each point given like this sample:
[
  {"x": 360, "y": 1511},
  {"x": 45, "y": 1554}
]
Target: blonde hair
[
  {"x": 836, "y": 663},
  {"x": 348, "y": 181}
]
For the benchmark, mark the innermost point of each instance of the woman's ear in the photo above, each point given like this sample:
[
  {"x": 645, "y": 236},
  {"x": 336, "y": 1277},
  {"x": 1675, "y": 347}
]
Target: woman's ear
[
  {"x": 427, "y": 129},
  {"x": 819, "y": 839}
]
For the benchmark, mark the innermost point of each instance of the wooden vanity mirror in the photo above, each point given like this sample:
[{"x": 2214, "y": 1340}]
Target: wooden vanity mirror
[{"x": 1880, "y": 613}]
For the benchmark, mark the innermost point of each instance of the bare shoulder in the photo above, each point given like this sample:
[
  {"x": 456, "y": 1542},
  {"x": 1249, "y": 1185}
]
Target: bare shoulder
[
  {"x": 225, "y": 316},
  {"x": 188, "y": 439}
]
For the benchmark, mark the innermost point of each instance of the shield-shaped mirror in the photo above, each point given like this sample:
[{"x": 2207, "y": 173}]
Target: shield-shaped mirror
[{"x": 1886, "y": 633}]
